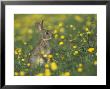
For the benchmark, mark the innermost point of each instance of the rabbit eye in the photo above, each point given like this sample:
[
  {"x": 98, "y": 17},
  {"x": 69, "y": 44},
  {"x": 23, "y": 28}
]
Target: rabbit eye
[{"x": 47, "y": 33}]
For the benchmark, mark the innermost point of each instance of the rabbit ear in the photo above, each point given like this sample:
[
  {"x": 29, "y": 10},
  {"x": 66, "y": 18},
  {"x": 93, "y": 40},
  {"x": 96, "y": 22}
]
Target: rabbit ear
[{"x": 40, "y": 25}]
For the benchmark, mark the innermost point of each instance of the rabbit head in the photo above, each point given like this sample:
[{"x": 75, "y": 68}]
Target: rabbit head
[{"x": 46, "y": 34}]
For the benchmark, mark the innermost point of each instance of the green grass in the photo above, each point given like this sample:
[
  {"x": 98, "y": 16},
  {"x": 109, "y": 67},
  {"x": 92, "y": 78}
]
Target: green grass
[{"x": 79, "y": 30}]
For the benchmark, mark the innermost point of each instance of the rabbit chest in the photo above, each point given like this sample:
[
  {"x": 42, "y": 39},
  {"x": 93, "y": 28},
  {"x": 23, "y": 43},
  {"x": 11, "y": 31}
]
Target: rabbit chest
[{"x": 38, "y": 55}]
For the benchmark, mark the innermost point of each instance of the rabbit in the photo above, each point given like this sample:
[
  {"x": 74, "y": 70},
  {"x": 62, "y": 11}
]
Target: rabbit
[{"x": 36, "y": 57}]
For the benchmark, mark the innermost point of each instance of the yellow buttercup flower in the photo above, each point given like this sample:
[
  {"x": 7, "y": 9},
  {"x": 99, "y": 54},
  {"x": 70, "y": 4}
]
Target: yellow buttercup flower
[
  {"x": 81, "y": 34},
  {"x": 62, "y": 37},
  {"x": 53, "y": 66},
  {"x": 67, "y": 74},
  {"x": 46, "y": 66},
  {"x": 76, "y": 52},
  {"x": 80, "y": 65},
  {"x": 55, "y": 31},
  {"x": 22, "y": 73},
  {"x": 16, "y": 73},
  {"x": 74, "y": 46},
  {"x": 22, "y": 59},
  {"x": 57, "y": 54},
  {"x": 50, "y": 56},
  {"x": 71, "y": 26},
  {"x": 39, "y": 74},
  {"x": 47, "y": 72},
  {"x": 79, "y": 69},
  {"x": 86, "y": 29},
  {"x": 18, "y": 51},
  {"x": 61, "y": 43},
  {"x": 91, "y": 50},
  {"x": 29, "y": 54},
  {"x": 45, "y": 55},
  {"x": 95, "y": 62},
  {"x": 25, "y": 43},
  {"x": 56, "y": 36},
  {"x": 28, "y": 64},
  {"x": 60, "y": 24}
]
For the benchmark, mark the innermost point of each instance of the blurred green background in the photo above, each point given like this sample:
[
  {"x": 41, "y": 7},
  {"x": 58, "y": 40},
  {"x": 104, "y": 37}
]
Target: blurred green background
[{"x": 74, "y": 44}]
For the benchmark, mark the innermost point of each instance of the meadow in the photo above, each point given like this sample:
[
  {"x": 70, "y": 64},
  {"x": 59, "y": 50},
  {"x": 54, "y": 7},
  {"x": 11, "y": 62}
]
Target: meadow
[{"x": 73, "y": 44}]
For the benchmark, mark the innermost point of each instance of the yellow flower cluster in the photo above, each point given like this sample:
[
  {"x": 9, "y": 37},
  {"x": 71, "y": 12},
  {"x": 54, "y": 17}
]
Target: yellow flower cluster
[
  {"x": 21, "y": 73},
  {"x": 50, "y": 56},
  {"x": 65, "y": 73},
  {"x": 44, "y": 54},
  {"x": 48, "y": 68},
  {"x": 80, "y": 67},
  {"x": 53, "y": 66},
  {"x": 87, "y": 30},
  {"x": 76, "y": 52},
  {"x": 18, "y": 51}
]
